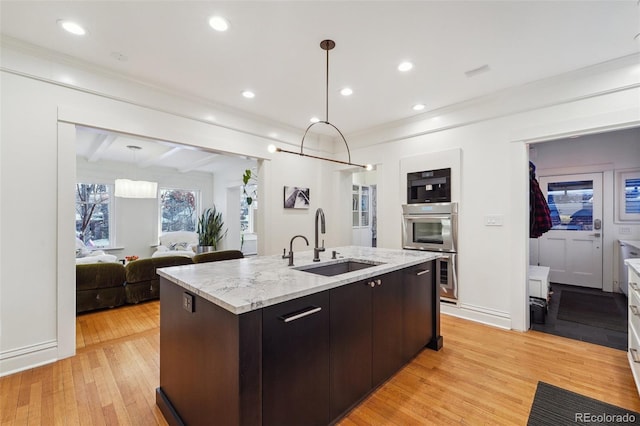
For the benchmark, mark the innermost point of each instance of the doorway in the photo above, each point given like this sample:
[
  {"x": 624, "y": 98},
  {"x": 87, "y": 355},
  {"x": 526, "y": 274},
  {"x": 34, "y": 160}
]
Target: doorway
[
  {"x": 577, "y": 178},
  {"x": 572, "y": 249},
  {"x": 364, "y": 218}
]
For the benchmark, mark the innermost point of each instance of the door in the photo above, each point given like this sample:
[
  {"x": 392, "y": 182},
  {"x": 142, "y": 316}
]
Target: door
[{"x": 573, "y": 247}]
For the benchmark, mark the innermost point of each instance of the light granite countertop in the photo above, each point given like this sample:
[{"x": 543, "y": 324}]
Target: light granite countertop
[
  {"x": 634, "y": 263},
  {"x": 243, "y": 285}
]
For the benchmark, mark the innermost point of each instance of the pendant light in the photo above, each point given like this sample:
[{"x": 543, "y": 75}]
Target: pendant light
[
  {"x": 326, "y": 45},
  {"x": 126, "y": 188}
]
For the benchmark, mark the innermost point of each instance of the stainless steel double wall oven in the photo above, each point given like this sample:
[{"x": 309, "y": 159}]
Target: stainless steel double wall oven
[{"x": 434, "y": 227}]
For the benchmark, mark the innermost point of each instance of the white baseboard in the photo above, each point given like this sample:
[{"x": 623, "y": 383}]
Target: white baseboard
[
  {"x": 16, "y": 360},
  {"x": 479, "y": 314}
]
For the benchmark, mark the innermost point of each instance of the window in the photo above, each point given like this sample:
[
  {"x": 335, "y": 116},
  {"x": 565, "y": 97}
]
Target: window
[
  {"x": 628, "y": 193},
  {"x": 360, "y": 206},
  {"x": 93, "y": 214},
  {"x": 571, "y": 205},
  {"x": 178, "y": 210}
]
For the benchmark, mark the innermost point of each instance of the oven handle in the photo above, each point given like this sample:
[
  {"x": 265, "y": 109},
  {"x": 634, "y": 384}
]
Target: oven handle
[{"x": 426, "y": 216}]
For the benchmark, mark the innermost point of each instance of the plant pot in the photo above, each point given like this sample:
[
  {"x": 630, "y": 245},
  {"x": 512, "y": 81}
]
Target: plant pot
[{"x": 205, "y": 249}]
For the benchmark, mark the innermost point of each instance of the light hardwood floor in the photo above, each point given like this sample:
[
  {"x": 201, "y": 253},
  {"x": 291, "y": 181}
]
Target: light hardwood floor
[{"x": 483, "y": 375}]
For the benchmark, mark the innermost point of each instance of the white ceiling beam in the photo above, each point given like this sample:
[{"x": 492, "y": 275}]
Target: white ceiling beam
[
  {"x": 158, "y": 158},
  {"x": 104, "y": 141},
  {"x": 208, "y": 159}
]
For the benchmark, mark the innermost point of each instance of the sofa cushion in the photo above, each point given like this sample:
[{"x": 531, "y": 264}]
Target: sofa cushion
[
  {"x": 145, "y": 269},
  {"x": 99, "y": 275},
  {"x": 214, "y": 256}
]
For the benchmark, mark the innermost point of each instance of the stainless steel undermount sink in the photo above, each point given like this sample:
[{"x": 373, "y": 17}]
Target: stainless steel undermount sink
[{"x": 336, "y": 268}]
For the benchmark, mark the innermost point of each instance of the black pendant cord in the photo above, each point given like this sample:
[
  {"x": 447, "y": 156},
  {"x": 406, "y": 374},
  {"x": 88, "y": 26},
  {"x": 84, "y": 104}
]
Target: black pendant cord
[
  {"x": 326, "y": 45},
  {"x": 326, "y": 92}
]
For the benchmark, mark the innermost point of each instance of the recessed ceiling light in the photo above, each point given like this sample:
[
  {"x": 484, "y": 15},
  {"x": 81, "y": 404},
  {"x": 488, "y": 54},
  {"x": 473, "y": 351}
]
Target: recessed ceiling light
[
  {"x": 405, "y": 66},
  {"x": 271, "y": 148},
  {"x": 314, "y": 119},
  {"x": 346, "y": 91},
  {"x": 418, "y": 107},
  {"x": 218, "y": 23},
  {"x": 248, "y": 94},
  {"x": 72, "y": 27}
]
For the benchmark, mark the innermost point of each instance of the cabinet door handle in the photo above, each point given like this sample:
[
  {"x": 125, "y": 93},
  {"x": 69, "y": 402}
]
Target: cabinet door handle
[
  {"x": 633, "y": 285},
  {"x": 634, "y": 310},
  {"x": 634, "y": 354},
  {"x": 633, "y": 253},
  {"x": 422, "y": 272},
  {"x": 301, "y": 314}
]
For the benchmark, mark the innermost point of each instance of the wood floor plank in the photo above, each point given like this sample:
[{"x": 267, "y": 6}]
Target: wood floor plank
[{"x": 483, "y": 375}]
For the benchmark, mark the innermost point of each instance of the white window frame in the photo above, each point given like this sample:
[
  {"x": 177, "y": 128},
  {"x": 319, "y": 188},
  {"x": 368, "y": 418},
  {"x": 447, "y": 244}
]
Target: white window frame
[
  {"x": 621, "y": 177},
  {"x": 112, "y": 214}
]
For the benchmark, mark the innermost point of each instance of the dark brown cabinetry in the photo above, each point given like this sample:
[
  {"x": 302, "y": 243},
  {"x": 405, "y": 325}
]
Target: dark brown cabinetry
[
  {"x": 417, "y": 309},
  {"x": 295, "y": 362},
  {"x": 367, "y": 333},
  {"x": 351, "y": 321},
  {"x": 386, "y": 349},
  {"x": 304, "y": 361}
]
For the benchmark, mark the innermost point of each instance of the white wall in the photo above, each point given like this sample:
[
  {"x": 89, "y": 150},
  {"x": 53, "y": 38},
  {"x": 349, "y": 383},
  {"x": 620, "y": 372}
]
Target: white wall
[{"x": 36, "y": 163}]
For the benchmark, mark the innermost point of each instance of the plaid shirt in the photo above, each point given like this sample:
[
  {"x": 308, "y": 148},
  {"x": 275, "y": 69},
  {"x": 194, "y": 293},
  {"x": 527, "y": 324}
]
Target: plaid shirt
[{"x": 539, "y": 214}]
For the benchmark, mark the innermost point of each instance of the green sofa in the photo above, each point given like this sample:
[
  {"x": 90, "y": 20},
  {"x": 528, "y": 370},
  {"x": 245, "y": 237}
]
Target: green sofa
[
  {"x": 99, "y": 285},
  {"x": 141, "y": 280},
  {"x": 108, "y": 285},
  {"x": 215, "y": 256}
]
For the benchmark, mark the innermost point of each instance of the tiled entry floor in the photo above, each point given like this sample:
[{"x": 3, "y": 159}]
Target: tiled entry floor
[{"x": 583, "y": 332}]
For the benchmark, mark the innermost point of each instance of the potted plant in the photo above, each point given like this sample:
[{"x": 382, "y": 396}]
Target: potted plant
[
  {"x": 249, "y": 181},
  {"x": 210, "y": 230}
]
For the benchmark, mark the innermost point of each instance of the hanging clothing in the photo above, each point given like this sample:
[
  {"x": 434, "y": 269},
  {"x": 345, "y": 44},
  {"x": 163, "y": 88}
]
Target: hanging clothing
[{"x": 539, "y": 213}]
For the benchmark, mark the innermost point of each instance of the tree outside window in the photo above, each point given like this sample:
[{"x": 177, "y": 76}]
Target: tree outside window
[
  {"x": 178, "y": 209},
  {"x": 93, "y": 208}
]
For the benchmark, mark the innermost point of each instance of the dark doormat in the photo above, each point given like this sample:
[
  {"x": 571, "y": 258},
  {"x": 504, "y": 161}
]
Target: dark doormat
[
  {"x": 553, "y": 406},
  {"x": 591, "y": 309}
]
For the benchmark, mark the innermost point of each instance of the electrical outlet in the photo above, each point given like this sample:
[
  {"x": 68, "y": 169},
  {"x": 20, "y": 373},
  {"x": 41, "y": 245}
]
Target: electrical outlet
[
  {"x": 494, "y": 220},
  {"x": 187, "y": 302},
  {"x": 624, "y": 230}
]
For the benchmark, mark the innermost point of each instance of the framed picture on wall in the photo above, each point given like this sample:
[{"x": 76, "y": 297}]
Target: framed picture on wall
[{"x": 296, "y": 197}]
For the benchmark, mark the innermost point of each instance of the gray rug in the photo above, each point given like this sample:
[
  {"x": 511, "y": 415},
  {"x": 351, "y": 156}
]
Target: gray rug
[
  {"x": 554, "y": 406},
  {"x": 600, "y": 311}
]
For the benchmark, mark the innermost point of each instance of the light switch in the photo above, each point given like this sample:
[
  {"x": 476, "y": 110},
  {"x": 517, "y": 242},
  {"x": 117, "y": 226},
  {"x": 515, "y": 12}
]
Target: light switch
[
  {"x": 494, "y": 220},
  {"x": 624, "y": 230},
  {"x": 187, "y": 302}
]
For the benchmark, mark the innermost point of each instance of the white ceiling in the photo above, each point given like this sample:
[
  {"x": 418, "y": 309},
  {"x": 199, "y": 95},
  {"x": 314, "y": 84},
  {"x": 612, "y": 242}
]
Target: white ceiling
[{"x": 272, "y": 48}]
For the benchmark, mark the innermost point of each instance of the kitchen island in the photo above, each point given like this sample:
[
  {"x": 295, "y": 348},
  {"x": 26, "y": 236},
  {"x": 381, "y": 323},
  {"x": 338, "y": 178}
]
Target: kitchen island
[{"x": 254, "y": 341}]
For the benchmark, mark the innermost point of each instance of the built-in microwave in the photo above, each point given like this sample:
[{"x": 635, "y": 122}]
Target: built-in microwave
[
  {"x": 430, "y": 186},
  {"x": 431, "y": 227}
]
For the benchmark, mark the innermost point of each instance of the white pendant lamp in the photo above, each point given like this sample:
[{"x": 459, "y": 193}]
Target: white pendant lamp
[{"x": 127, "y": 188}]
